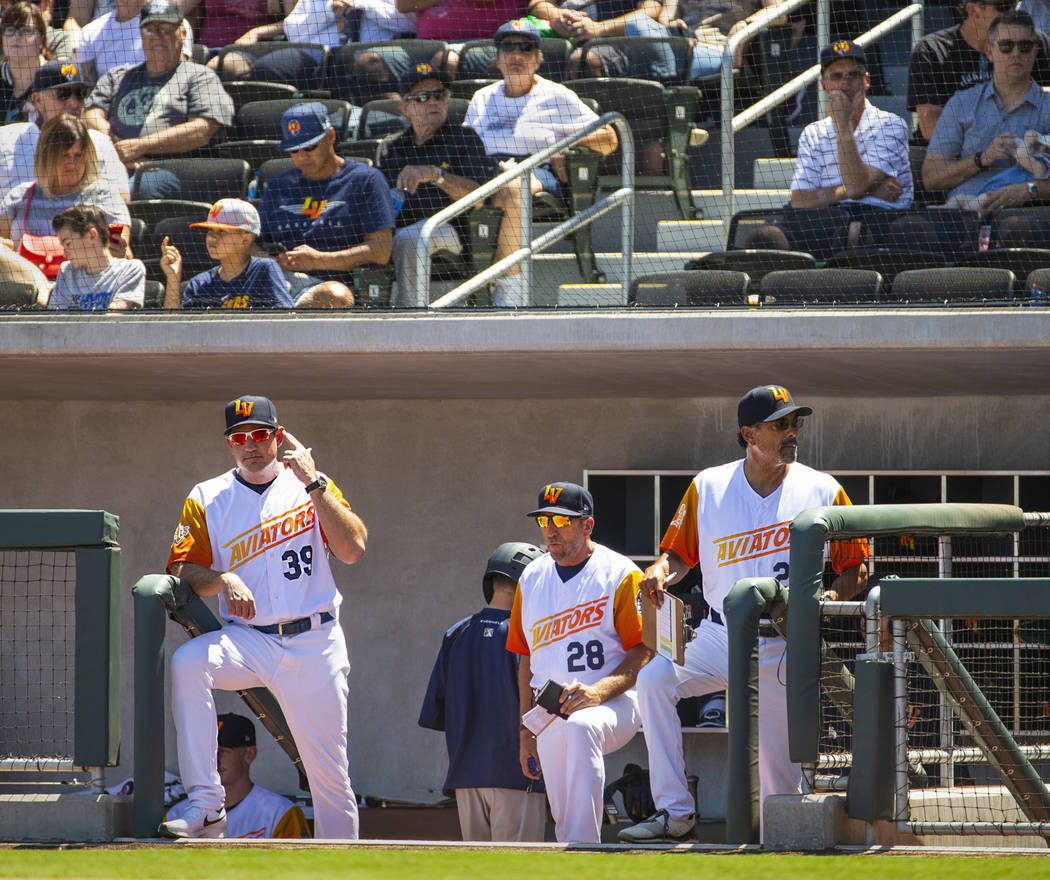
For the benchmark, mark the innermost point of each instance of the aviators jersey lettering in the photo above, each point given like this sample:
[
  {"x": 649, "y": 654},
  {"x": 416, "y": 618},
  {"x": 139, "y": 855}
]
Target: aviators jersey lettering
[
  {"x": 275, "y": 544},
  {"x": 577, "y": 630},
  {"x": 746, "y": 535},
  {"x": 331, "y": 214}
]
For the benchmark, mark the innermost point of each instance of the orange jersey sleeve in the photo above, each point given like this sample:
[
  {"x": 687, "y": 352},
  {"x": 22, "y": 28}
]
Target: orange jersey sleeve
[
  {"x": 334, "y": 489},
  {"x": 851, "y": 552},
  {"x": 191, "y": 542},
  {"x": 681, "y": 536},
  {"x": 627, "y": 618},
  {"x": 515, "y": 632}
]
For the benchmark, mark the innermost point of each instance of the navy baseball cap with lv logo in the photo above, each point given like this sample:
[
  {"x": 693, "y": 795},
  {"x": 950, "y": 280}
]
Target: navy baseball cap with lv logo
[
  {"x": 235, "y": 731},
  {"x": 568, "y": 499},
  {"x": 250, "y": 410},
  {"x": 767, "y": 403}
]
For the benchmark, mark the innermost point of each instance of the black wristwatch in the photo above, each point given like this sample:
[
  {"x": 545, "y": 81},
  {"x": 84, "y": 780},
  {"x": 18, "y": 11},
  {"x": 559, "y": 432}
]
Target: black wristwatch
[
  {"x": 977, "y": 161},
  {"x": 320, "y": 483}
]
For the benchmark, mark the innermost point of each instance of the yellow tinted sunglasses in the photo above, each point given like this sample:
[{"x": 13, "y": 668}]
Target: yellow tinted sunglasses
[{"x": 558, "y": 520}]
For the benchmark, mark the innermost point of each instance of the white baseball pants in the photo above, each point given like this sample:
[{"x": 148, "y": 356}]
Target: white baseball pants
[
  {"x": 307, "y": 674},
  {"x": 661, "y": 684},
  {"x": 571, "y": 753}
]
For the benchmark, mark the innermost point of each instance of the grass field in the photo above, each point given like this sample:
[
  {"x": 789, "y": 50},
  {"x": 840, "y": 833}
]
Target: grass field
[{"x": 184, "y": 863}]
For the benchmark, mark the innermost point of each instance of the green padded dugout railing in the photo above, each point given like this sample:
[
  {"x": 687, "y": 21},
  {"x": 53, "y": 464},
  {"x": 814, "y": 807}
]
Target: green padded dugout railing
[{"x": 92, "y": 536}]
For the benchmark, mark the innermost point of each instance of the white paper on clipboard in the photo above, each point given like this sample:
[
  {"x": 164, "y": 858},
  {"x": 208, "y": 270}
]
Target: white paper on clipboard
[{"x": 663, "y": 628}]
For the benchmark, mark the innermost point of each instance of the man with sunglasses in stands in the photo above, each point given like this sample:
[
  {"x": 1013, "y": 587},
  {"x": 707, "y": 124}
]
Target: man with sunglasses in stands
[
  {"x": 956, "y": 58},
  {"x": 858, "y": 153},
  {"x": 978, "y": 133},
  {"x": 58, "y": 87},
  {"x": 575, "y": 622},
  {"x": 326, "y": 216},
  {"x": 733, "y": 522},
  {"x": 433, "y": 163},
  {"x": 259, "y": 537}
]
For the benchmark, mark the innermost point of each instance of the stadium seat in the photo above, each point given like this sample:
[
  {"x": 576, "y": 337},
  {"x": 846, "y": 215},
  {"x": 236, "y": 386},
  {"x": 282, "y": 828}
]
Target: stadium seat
[
  {"x": 203, "y": 179},
  {"x": 888, "y": 263},
  {"x": 953, "y": 284},
  {"x": 189, "y": 241},
  {"x": 821, "y": 232},
  {"x": 921, "y": 197},
  {"x": 244, "y": 91},
  {"x": 370, "y": 150},
  {"x": 151, "y": 211},
  {"x": 711, "y": 288},
  {"x": 756, "y": 263},
  {"x": 302, "y": 65},
  {"x": 951, "y": 232},
  {"x": 360, "y": 81},
  {"x": 1027, "y": 227},
  {"x": 16, "y": 295},
  {"x": 804, "y": 287},
  {"x": 1021, "y": 261},
  {"x": 153, "y": 296},
  {"x": 656, "y": 115},
  {"x": 665, "y": 60}
]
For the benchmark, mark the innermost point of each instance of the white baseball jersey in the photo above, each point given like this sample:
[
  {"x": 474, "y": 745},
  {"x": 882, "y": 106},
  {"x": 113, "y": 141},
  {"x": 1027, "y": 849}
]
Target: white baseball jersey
[
  {"x": 580, "y": 629},
  {"x": 273, "y": 541},
  {"x": 262, "y": 814},
  {"x": 734, "y": 533}
]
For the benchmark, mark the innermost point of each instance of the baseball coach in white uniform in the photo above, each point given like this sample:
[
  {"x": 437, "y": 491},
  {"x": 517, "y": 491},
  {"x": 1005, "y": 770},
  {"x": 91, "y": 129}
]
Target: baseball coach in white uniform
[
  {"x": 733, "y": 522},
  {"x": 259, "y": 537},
  {"x": 575, "y": 622}
]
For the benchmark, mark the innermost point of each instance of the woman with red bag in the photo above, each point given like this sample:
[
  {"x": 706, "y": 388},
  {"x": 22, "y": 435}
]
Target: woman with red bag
[{"x": 66, "y": 168}]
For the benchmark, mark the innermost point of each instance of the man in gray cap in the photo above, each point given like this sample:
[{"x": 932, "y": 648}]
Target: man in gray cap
[
  {"x": 733, "y": 523},
  {"x": 113, "y": 39},
  {"x": 165, "y": 106}
]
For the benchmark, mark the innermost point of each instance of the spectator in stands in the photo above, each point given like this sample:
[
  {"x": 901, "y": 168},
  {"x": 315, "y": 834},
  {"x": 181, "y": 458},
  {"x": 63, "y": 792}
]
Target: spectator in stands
[
  {"x": 767, "y": 237},
  {"x": 1040, "y": 12},
  {"x": 857, "y": 153},
  {"x": 957, "y": 57},
  {"x": 240, "y": 281},
  {"x": 522, "y": 115},
  {"x": 23, "y": 39},
  {"x": 67, "y": 174},
  {"x": 327, "y": 216},
  {"x": 59, "y": 42},
  {"x": 433, "y": 163},
  {"x": 226, "y": 21},
  {"x": 166, "y": 106},
  {"x": 116, "y": 38},
  {"x": 58, "y": 87},
  {"x": 977, "y": 134},
  {"x": 91, "y": 277},
  {"x": 456, "y": 21}
]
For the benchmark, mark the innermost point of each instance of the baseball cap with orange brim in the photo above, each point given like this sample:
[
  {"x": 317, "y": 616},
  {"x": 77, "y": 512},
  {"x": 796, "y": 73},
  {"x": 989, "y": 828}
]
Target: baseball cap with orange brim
[{"x": 232, "y": 214}]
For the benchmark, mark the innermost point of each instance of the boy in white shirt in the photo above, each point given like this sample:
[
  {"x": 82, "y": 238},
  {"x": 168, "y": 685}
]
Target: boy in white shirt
[{"x": 92, "y": 278}]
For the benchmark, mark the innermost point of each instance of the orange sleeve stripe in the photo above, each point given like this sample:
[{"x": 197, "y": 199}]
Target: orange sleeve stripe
[
  {"x": 515, "y": 633},
  {"x": 849, "y": 553},
  {"x": 626, "y": 618},
  {"x": 334, "y": 489},
  {"x": 191, "y": 542},
  {"x": 681, "y": 536}
]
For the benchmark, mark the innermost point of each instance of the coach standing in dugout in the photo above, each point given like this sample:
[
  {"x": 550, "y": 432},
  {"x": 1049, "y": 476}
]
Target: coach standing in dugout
[
  {"x": 259, "y": 537},
  {"x": 576, "y": 624},
  {"x": 733, "y": 522}
]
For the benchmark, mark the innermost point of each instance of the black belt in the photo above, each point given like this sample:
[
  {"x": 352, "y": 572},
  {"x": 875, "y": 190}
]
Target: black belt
[
  {"x": 765, "y": 630},
  {"x": 292, "y": 627}
]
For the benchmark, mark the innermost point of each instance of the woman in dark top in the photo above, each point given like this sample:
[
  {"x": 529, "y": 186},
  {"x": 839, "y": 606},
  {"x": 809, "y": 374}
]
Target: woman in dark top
[{"x": 23, "y": 43}]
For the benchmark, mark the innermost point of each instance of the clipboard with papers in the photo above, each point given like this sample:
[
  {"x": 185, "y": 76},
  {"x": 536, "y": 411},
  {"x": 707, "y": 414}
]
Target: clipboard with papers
[{"x": 663, "y": 628}]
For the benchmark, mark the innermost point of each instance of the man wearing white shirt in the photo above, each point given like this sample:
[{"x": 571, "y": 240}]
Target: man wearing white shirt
[
  {"x": 58, "y": 87},
  {"x": 115, "y": 38},
  {"x": 857, "y": 153}
]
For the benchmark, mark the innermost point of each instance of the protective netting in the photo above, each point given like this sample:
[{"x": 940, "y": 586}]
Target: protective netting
[
  {"x": 801, "y": 222},
  {"x": 37, "y": 646}
]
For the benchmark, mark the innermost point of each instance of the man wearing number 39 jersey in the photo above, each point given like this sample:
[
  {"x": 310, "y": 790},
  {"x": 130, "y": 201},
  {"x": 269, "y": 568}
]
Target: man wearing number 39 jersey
[
  {"x": 575, "y": 621},
  {"x": 259, "y": 537},
  {"x": 733, "y": 523}
]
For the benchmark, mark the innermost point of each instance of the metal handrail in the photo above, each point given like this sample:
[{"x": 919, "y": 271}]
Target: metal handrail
[
  {"x": 732, "y": 124},
  {"x": 623, "y": 196}
]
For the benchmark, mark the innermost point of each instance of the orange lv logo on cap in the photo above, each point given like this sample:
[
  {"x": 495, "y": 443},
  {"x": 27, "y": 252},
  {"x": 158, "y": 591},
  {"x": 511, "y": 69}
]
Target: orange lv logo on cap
[
  {"x": 69, "y": 70},
  {"x": 244, "y": 407},
  {"x": 840, "y": 47},
  {"x": 293, "y": 126},
  {"x": 551, "y": 493},
  {"x": 424, "y": 68},
  {"x": 780, "y": 394}
]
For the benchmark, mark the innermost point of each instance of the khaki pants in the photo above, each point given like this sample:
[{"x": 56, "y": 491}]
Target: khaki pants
[{"x": 501, "y": 814}]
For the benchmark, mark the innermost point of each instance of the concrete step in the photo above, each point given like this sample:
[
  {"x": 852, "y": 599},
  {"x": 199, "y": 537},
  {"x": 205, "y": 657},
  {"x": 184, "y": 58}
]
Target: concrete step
[
  {"x": 551, "y": 271},
  {"x": 773, "y": 173},
  {"x": 690, "y": 235},
  {"x": 597, "y": 295}
]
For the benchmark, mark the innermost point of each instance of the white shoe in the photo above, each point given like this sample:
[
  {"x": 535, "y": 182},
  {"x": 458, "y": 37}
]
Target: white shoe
[
  {"x": 509, "y": 292},
  {"x": 197, "y": 823},
  {"x": 659, "y": 826}
]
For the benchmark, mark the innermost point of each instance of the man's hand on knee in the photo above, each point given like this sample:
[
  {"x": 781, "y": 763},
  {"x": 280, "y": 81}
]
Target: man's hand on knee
[{"x": 239, "y": 598}]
